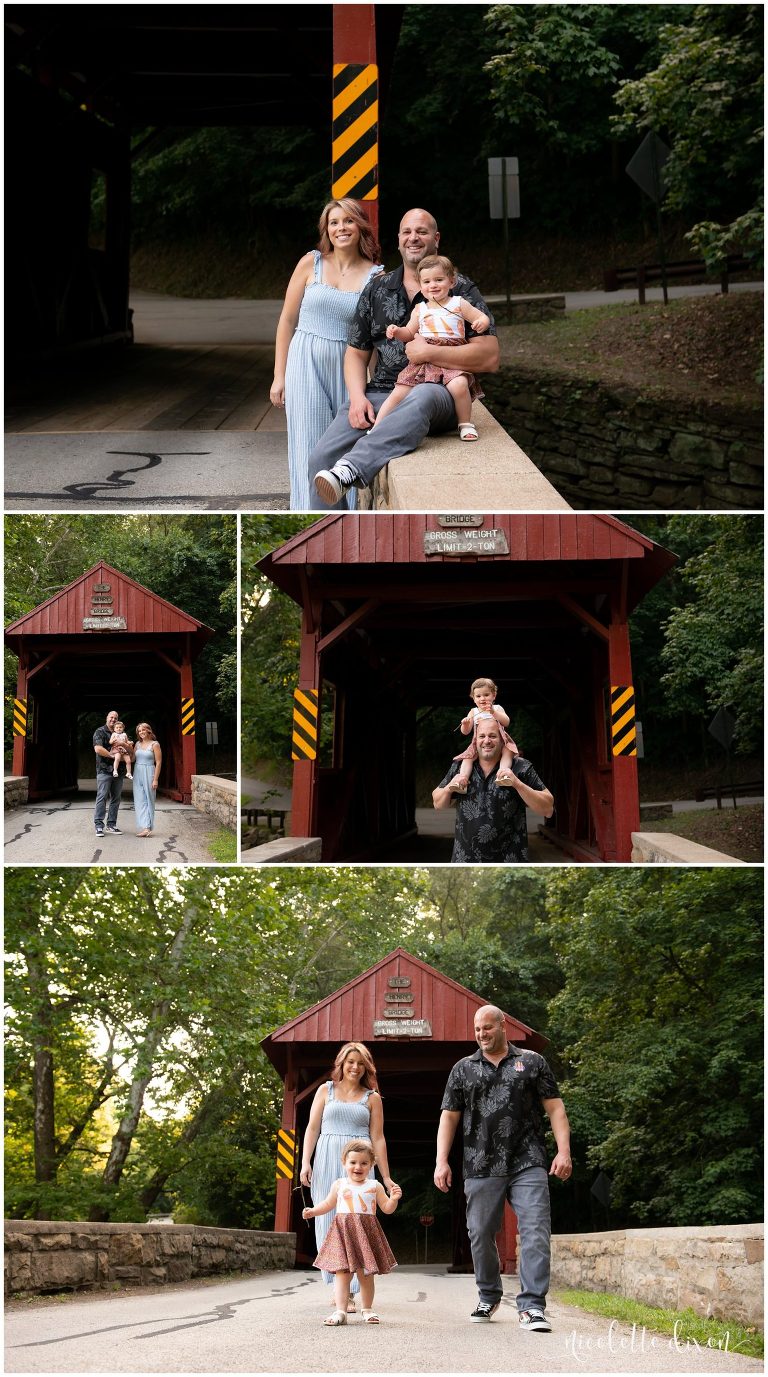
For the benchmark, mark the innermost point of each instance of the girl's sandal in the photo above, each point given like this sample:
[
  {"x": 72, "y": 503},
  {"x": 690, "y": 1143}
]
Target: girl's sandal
[
  {"x": 370, "y": 1317},
  {"x": 333, "y": 1321},
  {"x": 467, "y": 431}
]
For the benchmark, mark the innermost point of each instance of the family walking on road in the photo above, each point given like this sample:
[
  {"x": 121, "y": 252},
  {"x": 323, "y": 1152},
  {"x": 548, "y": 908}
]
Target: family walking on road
[
  {"x": 500, "y": 1096},
  {"x": 117, "y": 759},
  {"x": 426, "y": 326}
]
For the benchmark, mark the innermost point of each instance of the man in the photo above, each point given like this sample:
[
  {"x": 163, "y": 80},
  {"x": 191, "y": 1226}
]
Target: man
[
  {"x": 500, "y": 1093},
  {"x": 348, "y": 455},
  {"x": 109, "y": 787},
  {"x": 490, "y": 817}
]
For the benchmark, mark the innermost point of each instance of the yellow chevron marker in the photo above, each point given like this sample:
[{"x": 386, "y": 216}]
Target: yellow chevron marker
[
  {"x": 355, "y": 131},
  {"x": 623, "y": 724},
  {"x": 304, "y": 724},
  {"x": 19, "y": 716},
  {"x": 187, "y": 716},
  {"x": 286, "y": 1154}
]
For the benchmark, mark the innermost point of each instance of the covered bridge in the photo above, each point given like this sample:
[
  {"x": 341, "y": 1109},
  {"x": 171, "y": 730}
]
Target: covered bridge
[
  {"x": 103, "y": 642},
  {"x": 400, "y": 613},
  {"x": 416, "y": 1024}
]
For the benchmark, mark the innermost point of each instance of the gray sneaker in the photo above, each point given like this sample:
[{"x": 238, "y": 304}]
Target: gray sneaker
[
  {"x": 333, "y": 484},
  {"x": 536, "y": 1320}
]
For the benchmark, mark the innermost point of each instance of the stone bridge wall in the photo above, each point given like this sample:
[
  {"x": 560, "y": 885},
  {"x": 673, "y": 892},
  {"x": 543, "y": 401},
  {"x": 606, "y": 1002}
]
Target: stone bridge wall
[
  {"x": 16, "y": 791},
  {"x": 712, "y": 1271},
  {"x": 211, "y": 794},
  {"x": 607, "y": 447},
  {"x": 43, "y": 1256}
]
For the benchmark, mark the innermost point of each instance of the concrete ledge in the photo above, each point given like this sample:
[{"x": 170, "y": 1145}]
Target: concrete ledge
[
  {"x": 666, "y": 848},
  {"x": 218, "y": 797},
  {"x": 446, "y": 474},
  {"x": 16, "y": 791},
  {"x": 284, "y": 850},
  {"x": 713, "y": 1271},
  {"x": 47, "y": 1256}
]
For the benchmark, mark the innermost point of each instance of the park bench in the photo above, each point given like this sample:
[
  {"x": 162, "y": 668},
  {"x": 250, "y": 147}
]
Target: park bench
[
  {"x": 753, "y": 787},
  {"x": 647, "y": 274},
  {"x": 271, "y": 818}
]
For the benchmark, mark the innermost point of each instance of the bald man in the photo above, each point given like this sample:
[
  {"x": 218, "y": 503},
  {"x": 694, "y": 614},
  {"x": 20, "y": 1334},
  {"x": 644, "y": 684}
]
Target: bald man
[
  {"x": 501, "y": 1095},
  {"x": 350, "y": 454}
]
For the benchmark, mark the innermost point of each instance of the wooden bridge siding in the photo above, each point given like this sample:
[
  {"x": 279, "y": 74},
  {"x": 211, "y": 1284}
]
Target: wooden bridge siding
[{"x": 62, "y": 614}]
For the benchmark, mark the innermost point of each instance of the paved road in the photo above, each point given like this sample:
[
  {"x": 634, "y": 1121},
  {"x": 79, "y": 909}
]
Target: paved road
[
  {"x": 61, "y": 830},
  {"x": 272, "y": 1322}
]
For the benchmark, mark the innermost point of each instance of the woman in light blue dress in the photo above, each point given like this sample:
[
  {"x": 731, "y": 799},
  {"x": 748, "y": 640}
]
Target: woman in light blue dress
[
  {"x": 147, "y": 759},
  {"x": 345, "y": 1107},
  {"x": 312, "y": 335}
]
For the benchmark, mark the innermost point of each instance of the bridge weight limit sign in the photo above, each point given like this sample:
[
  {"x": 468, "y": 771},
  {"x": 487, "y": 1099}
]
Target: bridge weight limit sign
[{"x": 504, "y": 202}]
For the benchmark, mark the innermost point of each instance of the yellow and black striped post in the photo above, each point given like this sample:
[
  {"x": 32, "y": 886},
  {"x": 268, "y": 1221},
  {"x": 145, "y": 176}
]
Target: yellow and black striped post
[
  {"x": 187, "y": 716},
  {"x": 355, "y": 151},
  {"x": 304, "y": 724},
  {"x": 19, "y": 716},
  {"x": 623, "y": 726},
  {"x": 286, "y": 1154}
]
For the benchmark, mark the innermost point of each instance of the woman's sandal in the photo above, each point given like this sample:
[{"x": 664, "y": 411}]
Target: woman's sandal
[
  {"x": 370, "y": 1317},
  {"x": 467, "y": 431},
  {"x": 333, "y": 1321}
]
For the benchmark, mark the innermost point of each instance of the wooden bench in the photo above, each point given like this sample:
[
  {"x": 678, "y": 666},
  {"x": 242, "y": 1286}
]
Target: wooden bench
[
  {"x": 648, "y": 273},
  {"x": 753, "y": 787},
  {"x": 270, "y": 818}
]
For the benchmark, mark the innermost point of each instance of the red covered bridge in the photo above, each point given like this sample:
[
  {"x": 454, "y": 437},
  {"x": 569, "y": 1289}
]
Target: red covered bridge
[
  {"x": 103, "y": 642},
  {"x": 414, "y": 1045},
  {"x": 400, "y": 613}
]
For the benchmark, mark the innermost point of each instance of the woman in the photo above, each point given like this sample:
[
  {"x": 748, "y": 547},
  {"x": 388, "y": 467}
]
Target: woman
[
  {"x": 347, "y": 1106},
  {"x": 147, "y": 759},
  {"x": 312, "y": 335}
]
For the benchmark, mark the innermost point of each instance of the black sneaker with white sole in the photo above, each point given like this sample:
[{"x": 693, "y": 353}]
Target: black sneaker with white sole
[
  {"x": 333, "y": 484},
  {"x": 483, "y": 1311},
  {"x": 116, "y": 831},
  {"x": 99, "y": 831},
  {"x": 536, "y": 1320}
]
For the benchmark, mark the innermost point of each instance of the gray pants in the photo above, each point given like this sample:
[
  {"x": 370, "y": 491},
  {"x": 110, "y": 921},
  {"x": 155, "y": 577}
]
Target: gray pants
[
  {"x": 108, "y": 787},
  {"x": 528, "y": 1194},
  {"x": 428, "y": 408}
]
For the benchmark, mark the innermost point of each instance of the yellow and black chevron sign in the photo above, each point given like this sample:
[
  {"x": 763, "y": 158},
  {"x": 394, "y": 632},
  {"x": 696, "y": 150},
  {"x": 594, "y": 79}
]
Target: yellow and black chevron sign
[
  {"x": 623, "y": 729},
  {"x": 355, "y": 153},
  {"x": 286, "y": 1153},
  {"x": 19, "y": 716},
  {"x": 187, "y": 716},
  {"x": 304, "y": 724}
]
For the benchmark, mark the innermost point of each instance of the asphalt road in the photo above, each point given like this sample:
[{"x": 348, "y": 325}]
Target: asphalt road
[
  {"x": 273, "y": 1322},
  {"x": 61, "y": 830}
]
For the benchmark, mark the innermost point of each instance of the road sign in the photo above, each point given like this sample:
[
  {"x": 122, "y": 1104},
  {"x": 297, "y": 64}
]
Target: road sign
[
  {"x": 212, "y": 733},
  {"x": 501, "y": 170},
  {"x": 601, "y": 1189},
  {"x": 723, "y": 727},
  {"x": 646, "y": 167}
]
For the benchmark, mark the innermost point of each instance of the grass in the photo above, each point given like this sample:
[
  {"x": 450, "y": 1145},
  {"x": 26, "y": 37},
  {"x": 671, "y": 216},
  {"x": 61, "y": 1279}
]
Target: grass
[
  {"x": 737, "y": 832},
  {"x": 688, "y": 1330},
  {"x": 223, "y": 846}
]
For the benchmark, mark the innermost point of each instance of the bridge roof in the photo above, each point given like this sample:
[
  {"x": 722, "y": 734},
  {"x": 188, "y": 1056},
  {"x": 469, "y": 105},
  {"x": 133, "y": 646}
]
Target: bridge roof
[
  {"x": 348, "y": 1015},
  {"x": 144, "y": 612}
]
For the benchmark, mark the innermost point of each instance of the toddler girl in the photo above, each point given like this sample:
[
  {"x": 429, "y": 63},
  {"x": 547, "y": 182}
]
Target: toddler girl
[
  {"x": 439, "y": 320},
  {"x": 483, "y": 693},
  {"x": 355, "y": 1241},
  {"x": 120, "y": 746}
]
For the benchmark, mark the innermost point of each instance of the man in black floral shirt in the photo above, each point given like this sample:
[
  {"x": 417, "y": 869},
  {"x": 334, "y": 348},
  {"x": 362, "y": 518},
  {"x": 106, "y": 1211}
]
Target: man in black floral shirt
[
  {"x": 350, "y": 454},
  {"x": 500, "y": 1095},
  {"x": 490, "y": 817}
]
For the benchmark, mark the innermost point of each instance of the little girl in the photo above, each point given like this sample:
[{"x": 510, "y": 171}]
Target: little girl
[
  {"x": 119, "y": 745},
  {"x": 483, "y": 693},
  {"x": 355, "y": 1241},
  {"x": 439, "y": 320}
]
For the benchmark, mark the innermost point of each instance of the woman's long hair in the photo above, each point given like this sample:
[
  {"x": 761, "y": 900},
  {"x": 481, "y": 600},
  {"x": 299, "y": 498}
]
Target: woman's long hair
[
  {"x": 152, "y": 736},
  {"x": 367, "y": 246},
  {"x": 368, "y": 1078}
]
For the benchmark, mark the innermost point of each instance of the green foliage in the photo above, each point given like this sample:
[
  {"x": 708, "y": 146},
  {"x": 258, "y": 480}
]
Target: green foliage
[
  {"x": 691, "y": 1332},
  {"x": 705, "y": 97}
]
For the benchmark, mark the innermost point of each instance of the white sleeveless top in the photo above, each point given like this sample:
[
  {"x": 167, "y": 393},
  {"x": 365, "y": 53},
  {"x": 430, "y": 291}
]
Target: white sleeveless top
[
  {"x": 356, "y": 1199},
  {"x": 445, "y": 322}
]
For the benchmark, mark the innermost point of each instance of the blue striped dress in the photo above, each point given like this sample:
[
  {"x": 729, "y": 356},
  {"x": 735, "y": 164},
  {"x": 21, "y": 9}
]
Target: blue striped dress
[
  {"x": 341, "y": 1122},
  {"x": 315, "y": 389}
]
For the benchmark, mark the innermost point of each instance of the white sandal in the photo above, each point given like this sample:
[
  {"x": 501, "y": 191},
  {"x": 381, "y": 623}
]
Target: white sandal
[
  {"x": 370, "y": 1317},
  {"x": 333, "y": 1321},
  {"x": 467, "y": 431}
]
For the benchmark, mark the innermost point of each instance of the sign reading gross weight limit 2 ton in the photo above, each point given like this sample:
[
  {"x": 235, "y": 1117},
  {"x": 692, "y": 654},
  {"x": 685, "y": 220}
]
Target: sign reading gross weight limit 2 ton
[{"x": 486, "y": 541}]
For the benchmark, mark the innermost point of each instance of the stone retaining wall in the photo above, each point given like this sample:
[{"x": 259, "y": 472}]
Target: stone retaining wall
[
  {"x": 284, "y": 850},
  {"x": 713, "y": 1271},
  {"x": 211, "y": 794},
  {"x": 65, "y": 1256},
  {"x": 606, "y": 446},
  {"x": 16, "y": 791},
  {"x": 664, "y": 848}
]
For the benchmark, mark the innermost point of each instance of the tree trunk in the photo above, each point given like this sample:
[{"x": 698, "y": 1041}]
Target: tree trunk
[{"x": 43, "y": 1092}]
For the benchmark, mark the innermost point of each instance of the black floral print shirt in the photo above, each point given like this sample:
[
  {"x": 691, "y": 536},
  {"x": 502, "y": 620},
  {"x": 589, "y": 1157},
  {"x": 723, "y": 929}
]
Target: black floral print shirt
[
  {"x": 503, "y": 1120},
  {"x": 384, "y": 301},
  {"x": 490, "y": 821}
]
